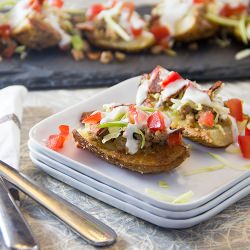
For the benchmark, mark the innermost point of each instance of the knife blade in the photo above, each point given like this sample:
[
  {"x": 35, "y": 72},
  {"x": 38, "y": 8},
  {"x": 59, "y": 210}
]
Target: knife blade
[
  {"x": 15, "y": 230},
  {"x": 85, "y": 225}
]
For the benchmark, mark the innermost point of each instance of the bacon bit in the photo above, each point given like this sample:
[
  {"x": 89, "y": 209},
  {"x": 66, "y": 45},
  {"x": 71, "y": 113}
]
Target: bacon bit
[
  {"x": 174, "y": 138},
  {"x": 154, "y": 86},
  {"x": 213, "y": 88}
]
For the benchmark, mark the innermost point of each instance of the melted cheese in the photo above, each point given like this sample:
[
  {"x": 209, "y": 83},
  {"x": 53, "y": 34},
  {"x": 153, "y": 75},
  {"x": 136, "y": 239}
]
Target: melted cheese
[
  {"x": 172, "y": 11},
  {"x": 132, "y": 144}
]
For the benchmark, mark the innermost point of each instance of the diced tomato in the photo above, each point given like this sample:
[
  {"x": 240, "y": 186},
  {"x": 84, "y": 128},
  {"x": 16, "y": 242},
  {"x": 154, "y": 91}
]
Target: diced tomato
[
  {"x": 156, "y": 122},
  {"x": 5, "y": 30},
  {"x": 172, "y": 77},
  {"x": 247, "y": 131},
  {"x": 159, "y": 31},
  {"x": 201, "y": 1},
  {"x": 174, "y": 139},
  {"x": 136, "y": 32},
  {"x": 94, "y": 118},
  {"x": 206, "y": 119},
  {"x": 229, "y": 10},
  {"x": 64, "y": 130},
  {"x": 94, "y": 10},
  {"x": 136, "y": 116},
  {"x": 236, "y": 109},
  {"x": 55, "y": 142},
  {"x": 36, "y": 5},
  {"x": 244, "y": 142},
  {"x": 57, "y": 3}
]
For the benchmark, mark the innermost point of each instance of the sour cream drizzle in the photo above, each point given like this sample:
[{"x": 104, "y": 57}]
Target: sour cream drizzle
[
  {"x": 132, "y": 144},
  {"x": 114, "y": 114},
  {"x": 172, "y": 11}
]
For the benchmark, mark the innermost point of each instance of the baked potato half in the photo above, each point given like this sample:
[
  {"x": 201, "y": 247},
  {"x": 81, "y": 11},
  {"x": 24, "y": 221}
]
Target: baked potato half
[
  {"x": 129, "y": 137},
  {"x": 117, "y": 27},
  {"x": 201, "y": 113}
]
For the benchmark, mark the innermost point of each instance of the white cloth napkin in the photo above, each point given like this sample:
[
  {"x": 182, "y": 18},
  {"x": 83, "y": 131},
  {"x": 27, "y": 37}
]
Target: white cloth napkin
[{"x": 11, "y": 110}]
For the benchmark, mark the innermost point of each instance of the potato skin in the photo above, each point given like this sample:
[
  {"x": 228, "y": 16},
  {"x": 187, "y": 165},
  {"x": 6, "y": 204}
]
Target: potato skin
[
  {"x": 137, "y": 45},
  {"x": 208, "y": 137},
  {"x": 36, "y": 34},
  {"x": 152, "y": 160},
  {"x": 201, "y": 29}
]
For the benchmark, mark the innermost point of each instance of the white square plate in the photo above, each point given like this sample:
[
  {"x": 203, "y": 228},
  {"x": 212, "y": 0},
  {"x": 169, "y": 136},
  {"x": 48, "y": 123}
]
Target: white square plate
[
  {"x": 205, "y": 186},
  {"x": 141, "y": 213},
  {"x": 130, "y": 199}
]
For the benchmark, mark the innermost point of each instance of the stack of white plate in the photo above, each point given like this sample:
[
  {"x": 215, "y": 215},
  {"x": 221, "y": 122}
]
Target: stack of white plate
[{"x": 135, "y": 193}]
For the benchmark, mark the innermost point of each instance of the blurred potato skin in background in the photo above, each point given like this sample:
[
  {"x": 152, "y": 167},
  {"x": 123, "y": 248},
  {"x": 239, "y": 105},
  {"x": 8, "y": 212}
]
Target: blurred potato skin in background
[{"x": 85, "y": 3}]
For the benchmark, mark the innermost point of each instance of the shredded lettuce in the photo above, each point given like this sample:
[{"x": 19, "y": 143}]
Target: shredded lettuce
[
  {"x": 159, "y": 196},
  {"x": 113, "y": 134},
  {"x": 184, "y": 198},
  {"x": 7, "y": 3},
  {"x": 20, "y": 49},
  {"x": 225, "y": 162},
  {"x": 247, "y": 166},
  {"x": 243, "y": 30},
  {"x": 203, "y": 170},
  {"x": 163, "y": 184},
  {"x": 144, "y": 108},
  {"x": 181, "y": 199},
  {"x": 77, "y": 42},
  {"x": 233, "y": 149},
  {"x": 221, "y": 20},
  {"x": 119, "y": 124},
  {"x": 117, "y": 28},
  {"x": 139, "y": 132}
]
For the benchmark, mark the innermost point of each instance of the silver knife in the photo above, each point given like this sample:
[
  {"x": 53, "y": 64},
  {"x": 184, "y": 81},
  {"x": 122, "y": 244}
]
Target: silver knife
[
  {"x": 15, "y": 231},
  {"x": 88, "y": 227}
]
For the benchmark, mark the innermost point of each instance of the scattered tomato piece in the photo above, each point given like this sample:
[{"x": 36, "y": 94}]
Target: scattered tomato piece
[
  {"x": 94, "y": 10},
  {"x": 244, "y": 142},
  {"x": 206, "y": 119},
  {"x": 94, "y": 118},
  {"x": 57, "y": 3},
  {"x": 159, "y": 31},
  {"x": 174, "y": 139},
  {"x": 136, "y": 32},
  {"x": 36, "y": 5},
  {"x": 229, "y": 10},
  {"x": 156, "y": 122},
  {"x": 236, "y": 109},
  {"x": 172, "y": 77},
  {"x": 64, "y": 130},
  {"x": 55, "y": 142}
]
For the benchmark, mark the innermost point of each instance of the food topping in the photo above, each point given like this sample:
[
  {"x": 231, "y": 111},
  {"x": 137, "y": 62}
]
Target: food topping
[
  {"x": 138, "y": 126},
  {"x": 56, "y": 141},
  {"x": 244, "y": 142},
  {"x": 117, "y": 20},
  {"x": 236, "y": 109}
]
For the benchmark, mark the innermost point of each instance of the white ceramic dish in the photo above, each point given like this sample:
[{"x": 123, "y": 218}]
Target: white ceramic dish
[
  {"x": 140, "y": 213},
  {"x": 130, "y": 199},
  {"x": 205, "y": 186}
]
